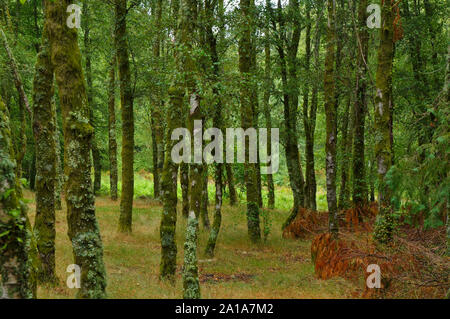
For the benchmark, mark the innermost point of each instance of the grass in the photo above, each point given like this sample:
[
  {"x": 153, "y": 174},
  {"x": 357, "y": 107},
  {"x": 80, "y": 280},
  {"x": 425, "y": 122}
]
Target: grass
[{"x": 278, "y": 268}]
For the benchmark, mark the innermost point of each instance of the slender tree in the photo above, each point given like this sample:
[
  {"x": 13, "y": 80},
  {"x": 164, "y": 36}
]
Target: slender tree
[
  {"x": 212, "y": 40},
  {"x": 90, "y": 96},
  {"x": 157, "y": 119},
  {"x": 331, "y": 119},
  {"x": 44, "y": 115},
  {"x": 188, "y": 26},
  {"x": 247, "y": 120},
  {"x": 360, "y": 107},
  {"x": 383, "y": 102},
  {"x": 112, "y": 140},
  {"x": 267, "y": 90},
  {"x": 126, "y": 99}
]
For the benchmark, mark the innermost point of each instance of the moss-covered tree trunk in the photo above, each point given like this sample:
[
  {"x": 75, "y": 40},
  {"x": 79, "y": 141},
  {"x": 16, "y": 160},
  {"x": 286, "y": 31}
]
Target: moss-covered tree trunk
[
  {"x": 157, "y": 119},
  {"x": 247, "y": 121},
  {"x": 331, "y": 119},
  {"x": 90, "y": 92},
  {"x": 126, "y": 99},
  {"x": 14, "y": 260},
  {"x": 83, "y": 228},
  {"x": 287, "y": 52},
  {"x": 212, "y": 40},
  {"x": 383, "y": 101},
  {"x": 44, "y": 117},
  {"x": 187, "y": 28},
  {"x": 268, "y": 84},
  {"x": 168, "y": 263},
  {"x": 112, "y": 139},
  {"x": 360, "y": 110},
  {"x": 310, "y": 109}
]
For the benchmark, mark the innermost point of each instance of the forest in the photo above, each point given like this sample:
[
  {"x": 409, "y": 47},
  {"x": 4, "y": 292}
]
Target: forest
[{"x": 224, "y": 149}]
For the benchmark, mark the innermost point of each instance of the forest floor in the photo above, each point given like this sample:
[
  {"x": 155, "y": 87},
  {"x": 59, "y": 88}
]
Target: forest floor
[{"x": 278, "y": 268}]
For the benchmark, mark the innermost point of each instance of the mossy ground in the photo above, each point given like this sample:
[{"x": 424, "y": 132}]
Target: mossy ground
[{"x": 279, "y": 268}]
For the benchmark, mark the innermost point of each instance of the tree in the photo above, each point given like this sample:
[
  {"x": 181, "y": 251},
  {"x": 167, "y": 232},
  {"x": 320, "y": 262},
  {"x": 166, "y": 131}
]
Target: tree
[
  {"x": 268, "y": 84},
  {"x": 247, "y": 120},
  {"x": 188, "y": 26},
  {"x": 157, "y": 119},
  {"x": 90, "y": 96},
  {"x": 383, "y": 106},
  {"x": 126, "y": 100},
  {"x": 44, "y": 115},
  {"x": 83, "y": 228},
  {"x": 287, "y": 53},
  {"x": 359, "y": 183},
  {"x": 210, "y": 7},
  {"x": 330, "y": 113}
]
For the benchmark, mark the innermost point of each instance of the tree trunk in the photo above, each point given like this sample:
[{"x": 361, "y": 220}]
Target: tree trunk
[
  {"x": 157, "y": 120},
  {"x": 14, "y": 261},
  {"x": 309, "y": 113},
  {"x": 290, "y": 103},
  {"x": 169, "y": 176},
  {"x": 360, "y": 110},
  {"x": 112, "y": 144},
  {"x": 331, "y": 119},
  {"x": 126, "y": 99},
  {"x": 247, "y": 120},
  {"x": 184, "y": 181},
  {"x": 383, "y": 101},
  {"x": 90, "y": 91},
  {"x": 217, "y": 122},
  {"x": 188, "y": 25},
  {"x": 44, "y": 127},
  {"x": 267, "y": 90},
  {"x": 83, "y": 228}
]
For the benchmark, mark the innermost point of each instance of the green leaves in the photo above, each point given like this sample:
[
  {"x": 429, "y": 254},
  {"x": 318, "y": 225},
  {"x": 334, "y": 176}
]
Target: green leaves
[{"x": 23, "y": 1}]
